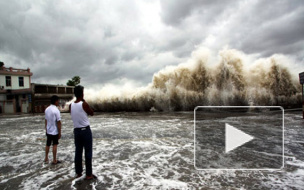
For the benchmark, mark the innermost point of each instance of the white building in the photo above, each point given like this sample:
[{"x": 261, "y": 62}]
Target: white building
[{"x": 15, "y": 90}]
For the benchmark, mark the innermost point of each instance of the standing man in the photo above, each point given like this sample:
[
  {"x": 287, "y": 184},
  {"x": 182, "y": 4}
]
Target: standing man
[
  {"x": 80, "y": 110},
  {"x": 52, "y": 128}
]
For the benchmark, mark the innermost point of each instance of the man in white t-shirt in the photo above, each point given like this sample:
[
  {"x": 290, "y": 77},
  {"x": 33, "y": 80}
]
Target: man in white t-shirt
[{"x": 52, "y": 128}]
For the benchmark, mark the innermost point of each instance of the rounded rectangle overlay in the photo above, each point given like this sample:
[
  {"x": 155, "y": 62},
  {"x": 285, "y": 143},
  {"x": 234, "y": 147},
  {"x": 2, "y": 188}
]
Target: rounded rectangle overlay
[{"x": 264, "y": 150}]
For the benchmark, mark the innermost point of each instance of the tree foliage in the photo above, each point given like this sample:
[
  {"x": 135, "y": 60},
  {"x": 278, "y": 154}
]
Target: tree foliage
[{"x": 74, "y": 81}]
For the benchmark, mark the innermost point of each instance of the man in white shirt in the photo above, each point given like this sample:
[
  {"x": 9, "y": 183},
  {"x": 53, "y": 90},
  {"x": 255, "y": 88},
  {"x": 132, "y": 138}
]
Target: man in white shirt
[
  {"x": 52, "y": 128},
  {"x": 80, "y": 110}
]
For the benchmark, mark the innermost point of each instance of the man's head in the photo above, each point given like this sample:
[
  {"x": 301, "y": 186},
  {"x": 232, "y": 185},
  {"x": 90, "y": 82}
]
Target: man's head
[
  {"x": 55, "y": 100},
  {"x": 78, "y": 91}
]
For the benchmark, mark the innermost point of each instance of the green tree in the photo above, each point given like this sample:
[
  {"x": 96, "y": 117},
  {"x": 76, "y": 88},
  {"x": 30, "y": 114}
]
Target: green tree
[{"x": 74, "y": 81}]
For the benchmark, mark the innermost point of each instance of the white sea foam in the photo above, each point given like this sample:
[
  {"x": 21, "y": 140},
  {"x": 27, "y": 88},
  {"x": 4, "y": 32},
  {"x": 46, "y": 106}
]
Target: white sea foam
[{"x": 130, "y": 152}]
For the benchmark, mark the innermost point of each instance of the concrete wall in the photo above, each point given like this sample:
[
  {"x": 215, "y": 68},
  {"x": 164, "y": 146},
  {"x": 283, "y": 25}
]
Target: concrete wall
[
  {"x": 15, "y": 82},
  {"x": 2, "y": 97},
  {"x": 2, "y": 80},
  {"x": 9, "y": 107},
  {"x": 24, "y": 106}
]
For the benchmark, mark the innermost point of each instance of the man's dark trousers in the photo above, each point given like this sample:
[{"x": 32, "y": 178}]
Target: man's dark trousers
[{"x": 83, "y": 139}]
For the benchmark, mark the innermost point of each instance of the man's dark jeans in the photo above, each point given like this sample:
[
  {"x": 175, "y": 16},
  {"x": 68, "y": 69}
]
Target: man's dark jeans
[{"x": 83, "y": 139}]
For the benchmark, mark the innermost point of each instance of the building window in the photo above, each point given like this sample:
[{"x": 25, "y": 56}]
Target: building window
[
  {"x": 21, "y": 82},
  {"x": 8, "y": 80}
]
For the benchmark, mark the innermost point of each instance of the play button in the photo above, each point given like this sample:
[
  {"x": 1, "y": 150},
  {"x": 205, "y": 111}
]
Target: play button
[
  {"x": 235, "y": 138},
  {"x": 238, "y": 138}
]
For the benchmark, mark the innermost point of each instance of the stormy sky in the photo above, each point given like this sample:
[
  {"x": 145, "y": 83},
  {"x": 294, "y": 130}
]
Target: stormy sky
[{"x": 119, "y": 42}]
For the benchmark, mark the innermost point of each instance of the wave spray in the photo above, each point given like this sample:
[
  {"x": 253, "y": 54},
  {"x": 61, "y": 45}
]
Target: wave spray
[{"x": 232, "y": 78}]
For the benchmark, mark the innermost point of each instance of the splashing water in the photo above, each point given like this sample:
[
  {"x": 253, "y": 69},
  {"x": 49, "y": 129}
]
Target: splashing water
[
  {"x": 141, "y": 150},
  {"x": 231, "y": 79}
]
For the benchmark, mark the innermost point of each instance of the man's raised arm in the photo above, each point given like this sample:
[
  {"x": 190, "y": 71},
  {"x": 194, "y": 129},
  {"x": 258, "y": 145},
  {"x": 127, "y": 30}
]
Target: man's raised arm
[{"x": 87, "y": 108}]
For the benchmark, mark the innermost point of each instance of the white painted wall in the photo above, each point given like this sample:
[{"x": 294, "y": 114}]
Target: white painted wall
[
  {"x": 15, "y": 82},
  {"x": 9, "y": 106}
]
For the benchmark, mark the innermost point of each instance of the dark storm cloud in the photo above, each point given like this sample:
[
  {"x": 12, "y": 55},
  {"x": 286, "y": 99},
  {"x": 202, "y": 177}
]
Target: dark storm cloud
[
  {"x": 107, "y": 40},
  {"x": 277, "y": 29},
  {"x": 264, "y": 27},
  {"x": 174, "y": 12},
  {"x": 59, "y": 41}
]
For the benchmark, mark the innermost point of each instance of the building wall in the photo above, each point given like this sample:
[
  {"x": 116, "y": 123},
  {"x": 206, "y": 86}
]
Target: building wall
[
  {"x": 9, "y": 107},
  {"x": 14, "y": 98},
  {"x": 2, "y": 101},
  {"x": 15, "y": 82},
  {"x": 24, "y": 106},
  {"x": 2, "y": 97},
  {"x": 2, "y": 80},
  {"x": 41, "y": 94}
]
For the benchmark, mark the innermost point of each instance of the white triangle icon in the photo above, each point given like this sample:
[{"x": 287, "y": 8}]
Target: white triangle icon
[{"x": 235, "y": 138}]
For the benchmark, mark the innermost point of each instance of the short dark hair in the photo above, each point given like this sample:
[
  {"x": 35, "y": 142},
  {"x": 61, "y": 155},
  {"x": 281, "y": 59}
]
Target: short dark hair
[
  {"x": 78, "y": 91},
  {"x": 54, "y": 99}
]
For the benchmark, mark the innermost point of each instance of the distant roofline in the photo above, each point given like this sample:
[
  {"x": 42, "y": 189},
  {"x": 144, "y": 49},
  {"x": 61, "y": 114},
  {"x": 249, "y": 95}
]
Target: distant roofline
[
  {"x": 14, "y": 71},
  {"x": 53, "y": 85}
]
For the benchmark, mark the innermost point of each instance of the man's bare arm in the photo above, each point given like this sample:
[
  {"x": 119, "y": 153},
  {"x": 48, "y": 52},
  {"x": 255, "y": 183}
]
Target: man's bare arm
[
  {"x": 59, "y": 129},
  {"x": 87, "y": 108},
  {"x": 45, "y": 122}
]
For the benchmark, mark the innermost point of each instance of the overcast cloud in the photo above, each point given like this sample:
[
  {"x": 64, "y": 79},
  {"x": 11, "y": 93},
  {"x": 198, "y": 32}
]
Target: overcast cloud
[{"x": 127, "y": 41}]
